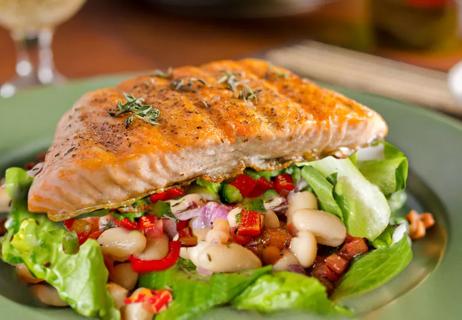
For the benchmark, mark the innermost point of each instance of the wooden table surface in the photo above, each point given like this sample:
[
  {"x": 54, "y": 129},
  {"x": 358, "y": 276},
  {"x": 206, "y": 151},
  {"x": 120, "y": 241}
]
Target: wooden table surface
[{"x": 110, "y": 36}]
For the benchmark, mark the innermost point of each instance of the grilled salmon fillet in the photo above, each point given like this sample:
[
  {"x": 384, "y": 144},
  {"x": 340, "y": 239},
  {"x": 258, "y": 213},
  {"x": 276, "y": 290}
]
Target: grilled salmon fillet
[{"x": 214, "y": 121}]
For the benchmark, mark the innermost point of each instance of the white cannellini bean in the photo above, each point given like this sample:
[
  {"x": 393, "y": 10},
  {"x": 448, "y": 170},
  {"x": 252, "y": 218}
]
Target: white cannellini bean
[
  {"x": 327, "y": 228},
  {"x": 201, "y": 233},
  {"x": 223, "y": 258},
  {"x": 47, "y": 295},
  {"x": 270, "y": 220},
  {"x": 232, "y": 217},
  {"x": 285, "y": 261},
  {"x": 4, "y": 200},
  {"x": 304, "y": 247},
  {"x": 25, "y": 275},
  {"x": 217, "y": 236},
  {"x": 136, "y": 311},
  {"x": 156, "y": 248},
  {"x": 219, "y": 232},
  {"x": 300, "y": 200},
  {"x": 118, "y": 294},
  {"x": 123, "y": 275},
  {"x": 120, "y": 243}
]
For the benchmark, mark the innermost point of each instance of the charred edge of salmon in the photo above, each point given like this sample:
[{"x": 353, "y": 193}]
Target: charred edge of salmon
[{"x": 275, "y": 165}]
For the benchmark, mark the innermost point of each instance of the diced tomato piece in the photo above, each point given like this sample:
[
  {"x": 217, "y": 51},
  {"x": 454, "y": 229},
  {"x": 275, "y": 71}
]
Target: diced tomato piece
[
  {"x": 249, "y": 224},
  {"x": 95, "y": 234},
  {"x": 261, "y": 186},
  {"x": 245, "y": 184},
  {"x": 323, "y": 271},
  {"x": 353, "y": 248},
  {"x": 127, "y": 224},
  {"x": 167, "y": 195},
  {"x": 241, "y": 239},
  {"x": 336, "y": 263},
  {"x": 181, "y": 224},
  {"x": 283, "y": 184},
  {"x": 277, "y": 237}
]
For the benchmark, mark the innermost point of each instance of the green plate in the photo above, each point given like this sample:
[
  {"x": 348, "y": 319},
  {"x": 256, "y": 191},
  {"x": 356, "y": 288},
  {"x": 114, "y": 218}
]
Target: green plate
[{"x": 427, "y": 289}]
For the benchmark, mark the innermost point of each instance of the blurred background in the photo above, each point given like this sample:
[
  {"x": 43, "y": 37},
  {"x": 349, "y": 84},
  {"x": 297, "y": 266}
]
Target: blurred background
[{"x": 113, "y": 36}]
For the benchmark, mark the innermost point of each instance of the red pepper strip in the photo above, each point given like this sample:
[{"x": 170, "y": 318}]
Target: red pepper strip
[
  {"x": 283, "y": 184},
  {"x": 170, "y": 259},
  {"x": 245, "y": 184},
  {"x": 261, "y": 186},
  {"x": 250, "y": 224},
  {"x": 167, "y": 195},
  {"x": 68, "y": 224},
  {"x": 127, "y": 224}
]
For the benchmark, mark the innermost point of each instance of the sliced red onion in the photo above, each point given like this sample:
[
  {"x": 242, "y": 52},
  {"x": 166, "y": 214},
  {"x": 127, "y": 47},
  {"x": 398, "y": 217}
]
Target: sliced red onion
[
  {"x": 208, "y": 213},
  {"x": 189, "y": 214},
  {"x": 189, "y": 201},
  {"x": 170, "y": 228},
  {"x": 296, "y": 268}
]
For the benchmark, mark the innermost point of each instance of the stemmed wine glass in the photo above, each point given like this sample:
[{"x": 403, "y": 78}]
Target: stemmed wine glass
[{"x": 31, "y": 24}]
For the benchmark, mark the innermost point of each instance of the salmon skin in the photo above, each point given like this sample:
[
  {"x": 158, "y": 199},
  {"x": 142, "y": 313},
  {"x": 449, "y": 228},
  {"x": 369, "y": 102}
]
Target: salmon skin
[{"x": 214, "y": 121}]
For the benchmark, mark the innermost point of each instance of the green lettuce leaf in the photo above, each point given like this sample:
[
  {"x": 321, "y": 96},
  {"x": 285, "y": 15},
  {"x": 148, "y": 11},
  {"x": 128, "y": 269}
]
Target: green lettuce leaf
[
  {"x": 194, "y": 294},
  {"x": 17, "y": 183},
  {"x": 323, "y": 189},
  {"x": 283, "y": 291},
  {"x": 365, "y": 209},
  {"x": 388, "y": 173},
  {"x": 80, "y": 278},
  {"x": 375, "y": 269}
]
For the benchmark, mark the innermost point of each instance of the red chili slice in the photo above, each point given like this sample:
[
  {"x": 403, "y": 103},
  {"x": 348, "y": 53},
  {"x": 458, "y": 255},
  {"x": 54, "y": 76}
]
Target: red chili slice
[
  {"x": 283, "y": 184},
  {"x": 142, "y": 266}
]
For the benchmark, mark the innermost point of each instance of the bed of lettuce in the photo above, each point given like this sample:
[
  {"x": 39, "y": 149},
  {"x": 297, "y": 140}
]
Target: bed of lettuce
[{"x": 363, "y": 191}]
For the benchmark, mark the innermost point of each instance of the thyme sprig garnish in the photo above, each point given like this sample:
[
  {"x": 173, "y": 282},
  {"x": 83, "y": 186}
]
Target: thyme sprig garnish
[
  {"x": 230, "y": 79},
  {"x": 240, "y": 88},
  {"x": 188, "y": 85},
  {"x": 138, "y": 109},
  {"x": 248, "y": 94},
  {"x": 163, "y": 74}
]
